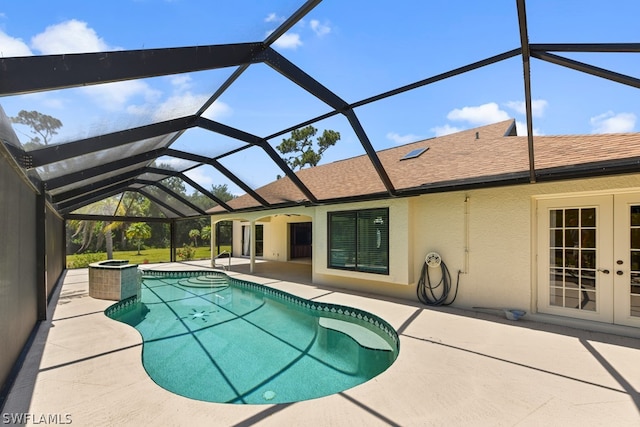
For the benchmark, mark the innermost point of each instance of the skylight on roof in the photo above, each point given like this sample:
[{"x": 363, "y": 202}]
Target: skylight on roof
[{"x": 414, "y": 153}]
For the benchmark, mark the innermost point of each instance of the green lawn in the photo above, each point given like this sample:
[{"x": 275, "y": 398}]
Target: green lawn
[{"x": 146, "y": 256}]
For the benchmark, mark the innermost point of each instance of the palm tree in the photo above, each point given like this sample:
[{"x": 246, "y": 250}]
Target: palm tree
[
  {"x": 138, "y": 231},
  {"x": 104, "y": 230},
  {"x": 205, "y": 233},
  {"x": 194, "y": 234}
]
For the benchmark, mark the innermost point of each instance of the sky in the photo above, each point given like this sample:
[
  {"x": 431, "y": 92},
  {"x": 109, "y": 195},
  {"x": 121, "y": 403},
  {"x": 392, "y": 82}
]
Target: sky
[{"x": 357, "y": 49}]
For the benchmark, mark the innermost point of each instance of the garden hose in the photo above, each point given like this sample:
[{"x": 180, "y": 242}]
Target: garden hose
[{"x": 426, "y": 290}]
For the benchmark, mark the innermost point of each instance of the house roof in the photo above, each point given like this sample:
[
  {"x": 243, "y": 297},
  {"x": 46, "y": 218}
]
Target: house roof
[{"x": 486, "y": 156}]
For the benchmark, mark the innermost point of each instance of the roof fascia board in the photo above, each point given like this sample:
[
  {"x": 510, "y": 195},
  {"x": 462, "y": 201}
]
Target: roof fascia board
[
  {"x": 30, "y": 74},
  {"x": 59, "y": 152},
  {"x": 590, "y": 170}
]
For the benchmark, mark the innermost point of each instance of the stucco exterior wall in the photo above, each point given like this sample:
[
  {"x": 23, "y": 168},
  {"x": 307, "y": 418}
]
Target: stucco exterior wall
[
  {"x": 488, "y": 235},
  {"x": 400, "y": 235},
  {"x": 494, "y": 246}
]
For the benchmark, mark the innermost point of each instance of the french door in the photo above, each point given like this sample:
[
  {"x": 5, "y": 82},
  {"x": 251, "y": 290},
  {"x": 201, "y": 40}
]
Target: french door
[{"x": 589, "y": 257}]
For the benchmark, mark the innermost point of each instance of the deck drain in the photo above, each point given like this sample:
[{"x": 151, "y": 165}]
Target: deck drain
[{"x": 269, "y": 394}]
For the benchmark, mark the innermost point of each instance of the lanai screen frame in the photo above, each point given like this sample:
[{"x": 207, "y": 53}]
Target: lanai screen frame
[{"x": 22, "y": 75}]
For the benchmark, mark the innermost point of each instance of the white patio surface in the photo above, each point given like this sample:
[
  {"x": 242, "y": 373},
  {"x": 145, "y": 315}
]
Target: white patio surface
[{"x": 455, "y": 367}]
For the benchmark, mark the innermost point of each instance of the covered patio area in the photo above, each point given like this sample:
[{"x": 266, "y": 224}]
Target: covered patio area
[{"x": 455, "y": 367}]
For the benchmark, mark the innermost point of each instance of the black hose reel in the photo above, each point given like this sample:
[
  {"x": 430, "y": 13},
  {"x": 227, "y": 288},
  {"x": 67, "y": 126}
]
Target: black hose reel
[{"x": 435, "y": 294}]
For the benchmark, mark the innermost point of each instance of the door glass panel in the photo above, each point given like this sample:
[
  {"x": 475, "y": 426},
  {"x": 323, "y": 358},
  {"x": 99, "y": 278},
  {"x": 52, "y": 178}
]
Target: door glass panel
[
  {"x": 571, "y": 217},
  {"x": 588, "y": 260},
  {"x": 556, "y": 296},
  {"x": 635, "y": 305},
  {"x": 571, "y": 238},
  {"x": 635, "y": 261},
  {"x": 635, "y": 215},
  {"x": 588, "y": 238},
  {"x": 572, "y": 298},
  {"x": 634, "y": 288},
  {"x": 572, "y": 278},
  {"x": 573, "y": 257},
  {"x": 588, "y": 217},
  {"x": 555, "y": 238},
  {"x": 556, "y": 218},
  {"x": 588, "y": 301}
]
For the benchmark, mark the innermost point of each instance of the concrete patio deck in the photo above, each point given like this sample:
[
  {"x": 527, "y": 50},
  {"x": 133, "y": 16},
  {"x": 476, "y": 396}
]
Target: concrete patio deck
[{"x": 455, "y": 367}]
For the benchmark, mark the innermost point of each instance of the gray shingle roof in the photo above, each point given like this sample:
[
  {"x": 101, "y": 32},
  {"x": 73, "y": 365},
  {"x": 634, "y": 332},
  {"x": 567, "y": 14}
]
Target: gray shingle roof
[{"x": 487, "y": 154}]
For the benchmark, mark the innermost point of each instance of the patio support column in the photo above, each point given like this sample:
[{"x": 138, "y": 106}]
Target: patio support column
[
  {"x": 213, "y": 240},
  {"x": 172, "y": 239},
  {"x": 252, "y": 247},
  {"x": 41, "y": 254}
]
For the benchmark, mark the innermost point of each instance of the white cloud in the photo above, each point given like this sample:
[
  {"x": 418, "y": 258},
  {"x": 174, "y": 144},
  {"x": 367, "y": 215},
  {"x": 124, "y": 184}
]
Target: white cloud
[
  {"x": 481, "y": 115},
  {"x": 201, "y": 177},
  {"x": 403, "y": 139},
  {"x": 186, "y": 104},
  {"x": 445, "y": 130},
  {"x": 178, "y": 106},
  {"x": 537, "y": 107},
  {"x": 521, "y": 129},
  {"x": 115, "y": 96},
  {"x": 54, "y": 103},
  {"x": 175, "y": 163},
  {"x": 69, "y": 37},
  {"x": 272, "y": 17},
  {"x": 319, "y": 29},
  {"x": 181, "y": 82},
  {"x": 288, "y": 41},
  {"x": 218, "y": 110},
  {"x": 10, "y": 46},
  {"x": 613, "y": 123}
]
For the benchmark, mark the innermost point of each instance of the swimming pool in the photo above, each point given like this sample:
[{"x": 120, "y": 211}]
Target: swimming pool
[{"x": 212, "y": 337}]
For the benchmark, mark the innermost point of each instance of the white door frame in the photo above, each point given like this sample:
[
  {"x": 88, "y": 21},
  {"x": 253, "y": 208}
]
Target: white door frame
[
  {"x": 613, "y": 259},
  {"x": 604, "y": 245}
]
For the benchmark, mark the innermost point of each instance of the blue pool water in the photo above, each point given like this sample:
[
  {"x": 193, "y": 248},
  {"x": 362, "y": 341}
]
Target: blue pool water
[{"x": 211, "y": 337}]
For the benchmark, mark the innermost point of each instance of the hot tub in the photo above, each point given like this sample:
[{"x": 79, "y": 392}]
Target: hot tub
[{"x": 114, "y": 279}]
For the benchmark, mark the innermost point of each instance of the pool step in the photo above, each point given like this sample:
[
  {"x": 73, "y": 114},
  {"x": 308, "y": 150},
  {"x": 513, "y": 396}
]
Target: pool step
[
  {"x": 363, "y": 336},
  {"x": 206, "y": 281}
]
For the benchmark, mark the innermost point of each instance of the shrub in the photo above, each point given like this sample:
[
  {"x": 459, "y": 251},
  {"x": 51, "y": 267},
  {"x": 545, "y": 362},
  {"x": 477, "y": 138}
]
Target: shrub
[
  {"x": 186, "y": 253},
  {"x": 83, "y": 260}
]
